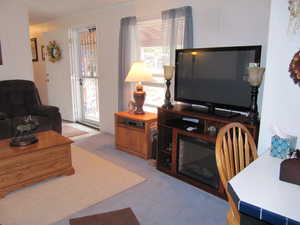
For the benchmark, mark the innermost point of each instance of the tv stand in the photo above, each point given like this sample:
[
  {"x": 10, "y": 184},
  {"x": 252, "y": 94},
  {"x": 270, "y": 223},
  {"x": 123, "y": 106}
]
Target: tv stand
[
  {"x": 186, "y": 145},
  {"x": 211, "y": 110}
]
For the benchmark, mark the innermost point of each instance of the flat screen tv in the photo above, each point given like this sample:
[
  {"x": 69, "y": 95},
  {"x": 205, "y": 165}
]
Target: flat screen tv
[{"x": 215, "y": 77}]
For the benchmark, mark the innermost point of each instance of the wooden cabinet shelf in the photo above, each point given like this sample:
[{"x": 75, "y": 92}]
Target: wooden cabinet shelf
[
  {"x": 133, "y": 133},
  {"x": 191, "y": 156}
]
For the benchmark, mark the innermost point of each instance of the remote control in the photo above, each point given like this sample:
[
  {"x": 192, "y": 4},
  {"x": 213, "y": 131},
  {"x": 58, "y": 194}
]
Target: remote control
[{"x": 191, "y": 128}]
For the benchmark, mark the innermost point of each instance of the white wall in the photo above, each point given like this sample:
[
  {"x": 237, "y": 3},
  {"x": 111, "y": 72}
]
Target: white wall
[
  {"x": 39, "y": 69},
  {"x": 280, "y": 103},
  {"x": 14, "y": 37},
  {"x": 217, "y": 23}
]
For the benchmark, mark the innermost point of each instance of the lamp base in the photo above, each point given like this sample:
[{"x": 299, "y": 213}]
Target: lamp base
[
  {"x": 168, "y": 104},
  {"x": 139, "y": 98},
  {"x": 253, "y": 114},
  {"x": 253, "y": 118}
]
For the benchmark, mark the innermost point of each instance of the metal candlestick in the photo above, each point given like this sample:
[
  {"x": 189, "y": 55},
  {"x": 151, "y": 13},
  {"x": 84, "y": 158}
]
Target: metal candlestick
[
  {"x": 254, "y": 79},
  {"x": 168, "y": 104},
  {"x": 253, "y": 114}
]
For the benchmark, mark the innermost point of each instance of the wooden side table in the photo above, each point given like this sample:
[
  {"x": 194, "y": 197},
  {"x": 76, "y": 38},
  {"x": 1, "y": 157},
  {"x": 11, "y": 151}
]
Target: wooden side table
[{"x": 133, "y": 133}]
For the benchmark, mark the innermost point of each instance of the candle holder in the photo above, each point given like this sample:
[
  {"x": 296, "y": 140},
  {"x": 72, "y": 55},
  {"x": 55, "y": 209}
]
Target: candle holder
[
  {"x": 168, "y": 74},
  {"x": 254, "y": 79}
]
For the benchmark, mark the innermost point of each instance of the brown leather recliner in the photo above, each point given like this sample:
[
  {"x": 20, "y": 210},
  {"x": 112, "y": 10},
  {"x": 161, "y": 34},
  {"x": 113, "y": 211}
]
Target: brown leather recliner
[{"x": 19, "y": 98}]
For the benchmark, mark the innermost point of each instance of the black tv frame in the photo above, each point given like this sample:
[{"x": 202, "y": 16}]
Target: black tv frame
[{"x": 212, "y": 105}]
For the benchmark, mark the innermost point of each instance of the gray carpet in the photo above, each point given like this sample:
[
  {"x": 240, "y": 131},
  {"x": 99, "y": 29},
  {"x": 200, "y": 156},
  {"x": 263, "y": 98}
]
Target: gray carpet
[{"x": 161, "y": 200}]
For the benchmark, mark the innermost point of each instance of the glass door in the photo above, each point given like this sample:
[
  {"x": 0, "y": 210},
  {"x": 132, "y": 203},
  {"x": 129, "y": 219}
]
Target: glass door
[{"x": 88, "y": 76}]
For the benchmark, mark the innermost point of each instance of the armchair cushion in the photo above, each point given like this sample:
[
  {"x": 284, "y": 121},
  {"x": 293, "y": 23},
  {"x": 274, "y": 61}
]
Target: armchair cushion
[
  {"x": 5, "y": 128},
  {"x": 45, "y": 110},
  {"x": 3, "y": 116}
]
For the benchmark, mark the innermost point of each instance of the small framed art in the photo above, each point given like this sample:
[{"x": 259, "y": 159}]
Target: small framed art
[{"x": 34, "y": 51}]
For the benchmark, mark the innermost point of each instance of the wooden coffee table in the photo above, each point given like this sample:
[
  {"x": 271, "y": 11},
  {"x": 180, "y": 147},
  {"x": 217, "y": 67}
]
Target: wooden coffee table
[{"x": 23, "y": 166}]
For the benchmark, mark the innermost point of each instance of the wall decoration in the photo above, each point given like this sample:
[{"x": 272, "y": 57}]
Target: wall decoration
[
  {"x": 34, "y": 50},
  {"x": 1, "y": 63},
  {"x": 53, "y": 52},
  {"x": 43, "y": 52},
  {"x": 295, "y": 68},
  {"x": 294, "y": 8}
]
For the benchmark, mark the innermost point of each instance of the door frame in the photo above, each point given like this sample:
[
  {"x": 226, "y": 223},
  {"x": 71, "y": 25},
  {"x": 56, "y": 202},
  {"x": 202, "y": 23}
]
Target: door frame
[{"x": 77, "y": 77}]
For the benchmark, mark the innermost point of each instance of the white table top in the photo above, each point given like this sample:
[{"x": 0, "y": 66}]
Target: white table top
[{"x": 259, "y": 185}]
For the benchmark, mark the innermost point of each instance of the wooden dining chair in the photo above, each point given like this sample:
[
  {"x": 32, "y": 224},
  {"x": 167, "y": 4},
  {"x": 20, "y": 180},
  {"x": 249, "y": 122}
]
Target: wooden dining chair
[{"x": 235, "y": 150}]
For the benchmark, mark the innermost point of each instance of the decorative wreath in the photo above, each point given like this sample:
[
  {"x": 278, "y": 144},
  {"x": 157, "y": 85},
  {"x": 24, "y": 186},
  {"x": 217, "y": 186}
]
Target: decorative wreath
[
  {"x": 54, "y": 53},
  {"x": 294, "y": 68}
]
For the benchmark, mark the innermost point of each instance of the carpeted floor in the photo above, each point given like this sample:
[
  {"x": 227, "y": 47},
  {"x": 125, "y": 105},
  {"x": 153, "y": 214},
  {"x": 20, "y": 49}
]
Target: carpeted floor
[
  {"x": 69, "y": 131},
  {"x": 95, "y": 179},
  {"x": 160, "y": 200}
]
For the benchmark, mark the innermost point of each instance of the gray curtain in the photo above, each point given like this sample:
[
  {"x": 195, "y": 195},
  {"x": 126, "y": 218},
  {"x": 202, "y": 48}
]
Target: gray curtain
[
  {"x": 127, "y": 54},
  {"x": 177, "y": 34},
  {"x": 177, "y": 30}
]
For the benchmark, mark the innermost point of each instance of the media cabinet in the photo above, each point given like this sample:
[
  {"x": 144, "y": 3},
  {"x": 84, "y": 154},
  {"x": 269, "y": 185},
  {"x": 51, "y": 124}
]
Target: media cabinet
[{"x": 190, "y": 155}]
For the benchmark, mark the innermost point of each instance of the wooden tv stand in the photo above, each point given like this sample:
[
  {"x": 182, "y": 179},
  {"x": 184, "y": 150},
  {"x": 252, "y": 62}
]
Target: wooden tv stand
[{"x": 172, "y": 130}]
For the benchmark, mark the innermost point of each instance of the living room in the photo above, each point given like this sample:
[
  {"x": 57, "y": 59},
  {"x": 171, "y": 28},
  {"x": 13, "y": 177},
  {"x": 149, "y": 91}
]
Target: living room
[{"x": 156, "y": 198}]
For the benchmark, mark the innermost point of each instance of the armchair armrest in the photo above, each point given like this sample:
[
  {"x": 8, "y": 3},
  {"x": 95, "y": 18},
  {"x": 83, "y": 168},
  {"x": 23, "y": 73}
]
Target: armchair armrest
[
  {"x": 3, "y": 116},
  {"x": 45, "y": 110},
  {"x": 52, "y": 113}
]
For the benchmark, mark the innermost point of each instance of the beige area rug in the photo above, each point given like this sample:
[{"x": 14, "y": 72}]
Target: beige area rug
[
  {"x": 69, "y": 131},
  {"x": 95, "y": 179}
]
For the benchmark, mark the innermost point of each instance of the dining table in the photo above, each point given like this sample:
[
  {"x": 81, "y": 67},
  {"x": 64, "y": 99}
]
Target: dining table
[{"x": 261, "y": 197}]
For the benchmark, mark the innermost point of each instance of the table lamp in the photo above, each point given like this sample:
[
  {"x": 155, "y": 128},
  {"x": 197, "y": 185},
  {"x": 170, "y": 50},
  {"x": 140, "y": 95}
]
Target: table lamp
[
  {"x": 139, "y": 73},
  {"x": 168, "y": 74},
  {"x": 254, "y": 79}
]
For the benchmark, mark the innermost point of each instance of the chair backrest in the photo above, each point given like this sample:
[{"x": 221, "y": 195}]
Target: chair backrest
[
  {"x": 18, "y": 97},
  {"x": 235, "y": 150}
]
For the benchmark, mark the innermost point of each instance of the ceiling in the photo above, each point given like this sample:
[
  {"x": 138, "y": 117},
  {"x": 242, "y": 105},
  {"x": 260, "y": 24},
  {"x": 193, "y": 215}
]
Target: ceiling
[{"x": 41, "y": 11}]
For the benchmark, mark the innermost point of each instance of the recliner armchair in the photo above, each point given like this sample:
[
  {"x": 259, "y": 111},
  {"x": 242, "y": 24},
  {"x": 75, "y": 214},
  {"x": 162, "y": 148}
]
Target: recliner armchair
[{"x": 20, "y": 98}]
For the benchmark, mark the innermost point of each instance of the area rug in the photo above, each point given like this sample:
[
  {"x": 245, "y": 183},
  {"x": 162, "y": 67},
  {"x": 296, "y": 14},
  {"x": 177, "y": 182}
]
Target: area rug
[
  {"x": 95, "y": 179},
  {"x": 69, "y": 131},
  {"x": 118, "y": 217}
]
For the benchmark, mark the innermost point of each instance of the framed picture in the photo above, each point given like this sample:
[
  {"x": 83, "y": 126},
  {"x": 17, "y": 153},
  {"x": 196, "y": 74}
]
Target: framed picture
[
  {"x": 34, "y": 51},
  {"x": 43, "y": 52},
  {"x": 1, "y": 63}
]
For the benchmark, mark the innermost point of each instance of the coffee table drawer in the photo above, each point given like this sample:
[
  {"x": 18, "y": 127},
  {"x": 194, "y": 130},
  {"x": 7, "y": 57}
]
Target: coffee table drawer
[
  {"x": 22, "y": 162},
  {"x": 34, "y": 170},
  {"x": 33, "y": 165},
  {"x": 23, "y": 166}
]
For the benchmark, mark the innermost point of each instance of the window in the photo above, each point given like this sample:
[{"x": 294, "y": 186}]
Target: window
[
  {"x": 155, "y": 55},
  {"x": 151, "y": 52}
]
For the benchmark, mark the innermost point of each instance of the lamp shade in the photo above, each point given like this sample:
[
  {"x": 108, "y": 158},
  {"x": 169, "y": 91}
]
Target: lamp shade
[
  {"x": 169, "y": 72},
  {"x": 255, "y": 75},
  {"x": 139, "y": 72}
]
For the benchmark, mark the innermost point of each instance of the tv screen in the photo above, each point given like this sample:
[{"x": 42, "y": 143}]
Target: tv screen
[{"x": 215, "y": 76}]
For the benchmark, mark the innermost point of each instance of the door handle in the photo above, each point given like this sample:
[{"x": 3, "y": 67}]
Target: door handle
[{"x": 80, "y": 81}]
